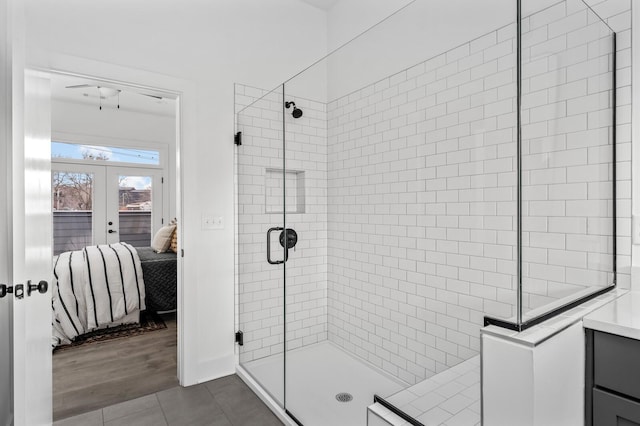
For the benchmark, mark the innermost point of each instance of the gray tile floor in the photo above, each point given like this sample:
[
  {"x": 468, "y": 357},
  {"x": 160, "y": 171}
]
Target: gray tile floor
[{"x": 222, "y": 402}]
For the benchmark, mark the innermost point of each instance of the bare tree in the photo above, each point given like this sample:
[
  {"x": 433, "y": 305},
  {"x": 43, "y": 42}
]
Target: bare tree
[{"x": 72, "y": 191}]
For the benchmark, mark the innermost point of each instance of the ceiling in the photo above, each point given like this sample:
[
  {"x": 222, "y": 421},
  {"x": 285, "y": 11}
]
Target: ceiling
[
  {"x": 130, "y": 99},
  {"x": 321, "y": 4}
]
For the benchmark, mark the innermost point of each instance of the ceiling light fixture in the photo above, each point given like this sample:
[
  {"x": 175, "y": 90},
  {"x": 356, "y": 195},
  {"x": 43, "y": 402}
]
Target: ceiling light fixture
[{"x": 108, "y": 92}]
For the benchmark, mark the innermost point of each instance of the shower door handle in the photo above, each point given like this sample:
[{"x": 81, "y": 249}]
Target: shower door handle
[{"x": 286, "y": 252}]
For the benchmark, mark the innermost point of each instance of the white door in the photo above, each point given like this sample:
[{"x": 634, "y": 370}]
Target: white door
[
  {"x": 32, "y": 262},
  {"x": 134, "y": 205}
]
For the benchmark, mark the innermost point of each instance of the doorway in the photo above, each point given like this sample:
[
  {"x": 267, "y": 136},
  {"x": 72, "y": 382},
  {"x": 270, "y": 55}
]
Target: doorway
[{"x": 113, "y": 180}]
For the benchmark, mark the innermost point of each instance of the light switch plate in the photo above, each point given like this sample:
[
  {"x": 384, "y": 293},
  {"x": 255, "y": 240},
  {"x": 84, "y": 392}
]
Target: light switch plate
[{"x": 212, "y": 222}]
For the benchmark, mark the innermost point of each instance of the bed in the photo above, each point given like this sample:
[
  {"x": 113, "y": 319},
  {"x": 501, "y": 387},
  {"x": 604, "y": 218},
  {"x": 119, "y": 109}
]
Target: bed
[
  {"x": 107, "y": 285},
  {"x": 160, "y": 274}
]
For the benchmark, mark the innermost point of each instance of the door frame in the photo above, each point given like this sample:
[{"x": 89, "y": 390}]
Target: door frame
[
  {"x": 184, "y": 93},
  {"x": 12, "y": 68},
  {"x": 7, "y": 36}
]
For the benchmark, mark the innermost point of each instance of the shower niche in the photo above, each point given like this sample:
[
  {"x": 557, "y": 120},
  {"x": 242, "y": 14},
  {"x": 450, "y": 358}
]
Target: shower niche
[{"x": 277, "y": 200}]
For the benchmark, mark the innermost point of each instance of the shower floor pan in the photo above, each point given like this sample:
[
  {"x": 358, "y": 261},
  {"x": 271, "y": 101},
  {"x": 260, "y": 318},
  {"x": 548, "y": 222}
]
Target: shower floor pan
[{"x": 318, "y": 377}]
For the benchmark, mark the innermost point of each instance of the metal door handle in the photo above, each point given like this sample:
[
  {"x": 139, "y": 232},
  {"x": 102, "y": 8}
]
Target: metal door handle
[
  {"x": 111, "y": 231},
  {"x": 17, "y": 290},
  {"x": 42, "y": 287},
  {"x": 5, "y": 289},
  {"x": 286, "y": 253}
]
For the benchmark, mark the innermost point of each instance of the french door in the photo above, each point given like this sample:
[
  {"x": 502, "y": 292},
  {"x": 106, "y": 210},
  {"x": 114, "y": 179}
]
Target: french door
[
  {"x": 96, "y": 204},
  {"x": 134, "y": 205}
]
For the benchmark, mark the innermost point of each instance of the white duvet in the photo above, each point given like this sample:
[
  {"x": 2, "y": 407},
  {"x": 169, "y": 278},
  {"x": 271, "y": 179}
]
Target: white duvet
[{"x": 94, "y": 287}]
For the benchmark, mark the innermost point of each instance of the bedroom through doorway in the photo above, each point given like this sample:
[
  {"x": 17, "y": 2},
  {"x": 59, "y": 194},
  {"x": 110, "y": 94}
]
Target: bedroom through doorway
[{"x": 113, "y": 196}]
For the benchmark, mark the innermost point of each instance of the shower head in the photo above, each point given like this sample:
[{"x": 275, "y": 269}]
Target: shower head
[{"x": 297, "y": 112}]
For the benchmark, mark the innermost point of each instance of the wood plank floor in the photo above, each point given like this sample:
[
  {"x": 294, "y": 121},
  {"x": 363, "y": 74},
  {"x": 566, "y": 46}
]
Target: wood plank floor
[{"x": 94, "y": 376}]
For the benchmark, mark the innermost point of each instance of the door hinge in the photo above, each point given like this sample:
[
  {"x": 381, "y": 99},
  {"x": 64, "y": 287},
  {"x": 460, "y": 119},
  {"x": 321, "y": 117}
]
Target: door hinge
[
  {"x": 162, "y": 180},
  {"x": 240, "y": 338},
  {"x": 237, "y": 139},
  {"x": 181, "y": 252}
]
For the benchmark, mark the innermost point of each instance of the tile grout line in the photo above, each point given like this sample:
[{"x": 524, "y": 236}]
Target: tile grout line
[
  {"x": 161, "y": 409},
  {"x": 218, "y": 404}
]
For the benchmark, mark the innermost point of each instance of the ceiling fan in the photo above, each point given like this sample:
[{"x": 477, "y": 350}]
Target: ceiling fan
[{"x": 108, "y": 92}]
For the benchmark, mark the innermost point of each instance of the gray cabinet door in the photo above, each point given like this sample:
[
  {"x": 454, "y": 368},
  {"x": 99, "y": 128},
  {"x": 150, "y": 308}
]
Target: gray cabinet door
[
  {"x": 613, "y": 410},
  {"x": 616, "y": 364}
]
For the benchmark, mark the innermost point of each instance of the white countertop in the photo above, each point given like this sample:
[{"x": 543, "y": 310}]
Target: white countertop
[{"x": 621, "y": 317}]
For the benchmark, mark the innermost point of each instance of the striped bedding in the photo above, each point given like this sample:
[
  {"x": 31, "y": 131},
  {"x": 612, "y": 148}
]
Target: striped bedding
[{"x": 95, "y": 287}]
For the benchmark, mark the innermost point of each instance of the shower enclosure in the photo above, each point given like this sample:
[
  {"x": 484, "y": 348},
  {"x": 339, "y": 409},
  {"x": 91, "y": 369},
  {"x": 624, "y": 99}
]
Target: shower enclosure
[{"x": 451, "y": 167}]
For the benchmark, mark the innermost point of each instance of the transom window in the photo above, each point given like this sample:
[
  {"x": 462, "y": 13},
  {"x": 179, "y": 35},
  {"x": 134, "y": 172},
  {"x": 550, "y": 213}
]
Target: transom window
[{"x": 72, "y": 151}]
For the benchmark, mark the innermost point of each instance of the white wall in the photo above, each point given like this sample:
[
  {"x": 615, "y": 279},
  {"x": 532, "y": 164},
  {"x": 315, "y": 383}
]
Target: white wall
[
  {"x": 210, "y": 45},
  {"x": 420, "y": 31},
  {"x": 80, "y": 122},
  {"x": 349, "y": 18}
]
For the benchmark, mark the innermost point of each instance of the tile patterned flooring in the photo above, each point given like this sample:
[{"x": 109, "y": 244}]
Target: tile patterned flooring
[{"x": 223, "y": 402}]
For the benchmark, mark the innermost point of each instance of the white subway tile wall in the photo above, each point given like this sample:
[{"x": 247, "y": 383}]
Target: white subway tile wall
[
  {"x": 422, "y": 209},
  {"x": 306, "y": 269},
  {"x": 410, "y": 189}
]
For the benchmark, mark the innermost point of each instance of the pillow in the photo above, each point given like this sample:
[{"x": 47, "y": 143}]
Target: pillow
[
  {"x": 162, "y": 239},
  {"x": 174, "y": 240}
]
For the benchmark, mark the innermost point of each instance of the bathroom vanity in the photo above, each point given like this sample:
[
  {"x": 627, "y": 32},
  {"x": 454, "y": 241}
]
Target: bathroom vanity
[{"x": 612, "y": 389}]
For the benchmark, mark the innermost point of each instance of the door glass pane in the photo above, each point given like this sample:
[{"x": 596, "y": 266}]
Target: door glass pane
[
  {"x": 260, "y": 218},
  {"x": 135, "y": 206},
  {"x": 72, "y": 199}
]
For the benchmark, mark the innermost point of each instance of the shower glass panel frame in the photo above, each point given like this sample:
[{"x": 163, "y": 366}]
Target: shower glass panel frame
[{"x": 445, "y": 191}]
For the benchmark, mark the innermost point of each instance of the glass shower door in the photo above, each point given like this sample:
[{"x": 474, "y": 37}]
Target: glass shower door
[
  {"x": 260, "y": 219},
  {"x": 305, "y": 244}
]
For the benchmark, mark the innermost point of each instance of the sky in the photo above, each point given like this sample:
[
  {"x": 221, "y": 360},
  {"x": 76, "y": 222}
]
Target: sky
[{"x": 124, "y": 155}]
